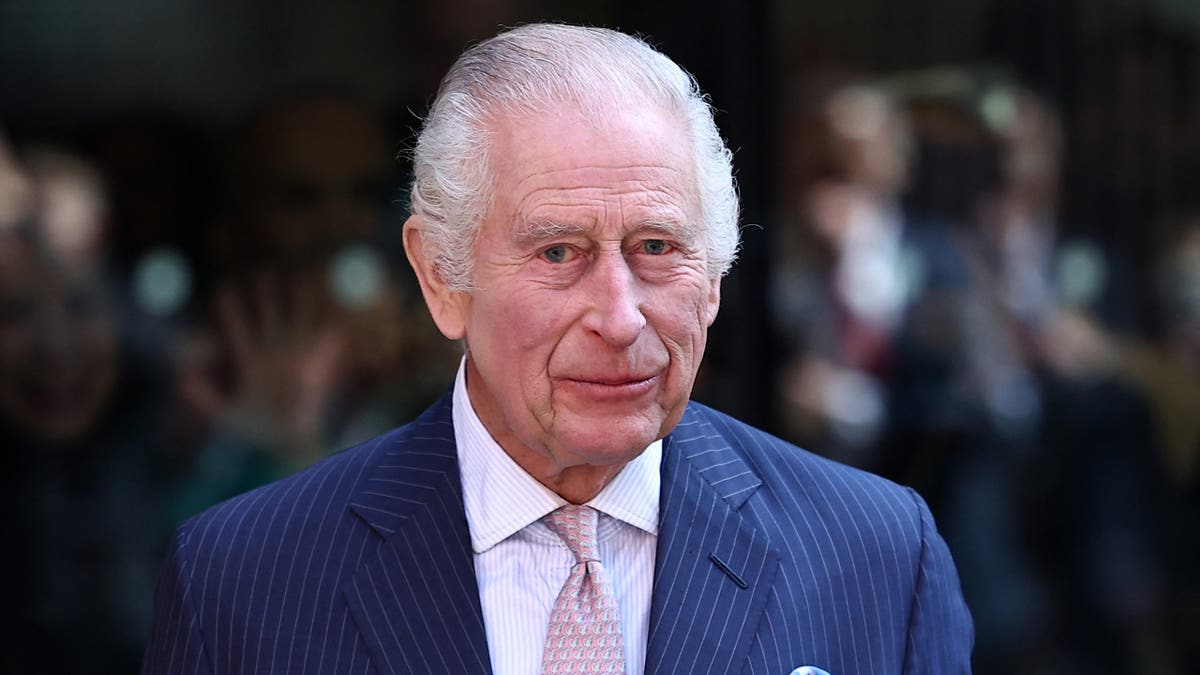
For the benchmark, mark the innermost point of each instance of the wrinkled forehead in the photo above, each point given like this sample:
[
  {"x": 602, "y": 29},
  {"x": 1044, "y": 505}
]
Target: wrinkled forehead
[
  {"x": 620, "y": 143},
  {"x": 564, "y": 168}
]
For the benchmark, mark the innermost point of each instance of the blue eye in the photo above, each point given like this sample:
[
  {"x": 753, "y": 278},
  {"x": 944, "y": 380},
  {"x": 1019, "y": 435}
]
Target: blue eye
[
  {"x": 555, "y": 254},
  {"x": 655, "y": 246}
]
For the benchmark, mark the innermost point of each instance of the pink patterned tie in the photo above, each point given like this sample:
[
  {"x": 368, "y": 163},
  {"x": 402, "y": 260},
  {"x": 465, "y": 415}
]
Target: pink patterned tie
[{"x": 585, "y": 627}]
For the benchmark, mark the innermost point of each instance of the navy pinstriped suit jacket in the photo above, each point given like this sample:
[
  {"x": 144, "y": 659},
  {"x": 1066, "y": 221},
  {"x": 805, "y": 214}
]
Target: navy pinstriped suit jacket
[{"x": 769, "y": 558}]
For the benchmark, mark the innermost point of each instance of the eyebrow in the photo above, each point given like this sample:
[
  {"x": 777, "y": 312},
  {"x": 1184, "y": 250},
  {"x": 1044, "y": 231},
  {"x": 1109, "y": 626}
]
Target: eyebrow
[
  {"x": 538, "y": 230},
  {"x": 684, "y": 233},
  {"x": 673, "y": 228}
]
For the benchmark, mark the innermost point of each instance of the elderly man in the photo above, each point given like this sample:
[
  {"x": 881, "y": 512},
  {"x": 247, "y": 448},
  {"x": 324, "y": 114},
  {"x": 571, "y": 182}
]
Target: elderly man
[{"x": 565, "y": 508}]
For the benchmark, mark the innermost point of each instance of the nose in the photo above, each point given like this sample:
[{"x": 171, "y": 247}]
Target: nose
[{"x": 614, "y": 301}]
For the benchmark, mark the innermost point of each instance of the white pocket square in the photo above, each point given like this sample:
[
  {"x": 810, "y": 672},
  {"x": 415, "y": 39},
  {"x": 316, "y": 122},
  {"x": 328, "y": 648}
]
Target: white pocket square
[{"x": 808, "y": 670}]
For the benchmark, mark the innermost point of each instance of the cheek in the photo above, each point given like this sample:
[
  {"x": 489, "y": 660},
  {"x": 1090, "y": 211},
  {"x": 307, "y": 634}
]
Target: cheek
[
  {"x": 683, "y": 315},
  {"x": 531, "y": 322}
]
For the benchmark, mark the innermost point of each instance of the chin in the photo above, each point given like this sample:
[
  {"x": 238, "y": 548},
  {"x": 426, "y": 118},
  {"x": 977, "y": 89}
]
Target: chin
[{"x": 612, "y": 443}]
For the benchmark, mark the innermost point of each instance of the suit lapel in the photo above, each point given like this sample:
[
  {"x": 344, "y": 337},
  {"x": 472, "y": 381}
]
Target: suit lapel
[
  {"x": 416, "y": 601},
  {"x": 713, "y": 570}
]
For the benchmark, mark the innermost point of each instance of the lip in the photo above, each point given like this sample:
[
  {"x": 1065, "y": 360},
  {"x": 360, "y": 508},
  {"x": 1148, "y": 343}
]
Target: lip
[{"x": 612, "y": 388}]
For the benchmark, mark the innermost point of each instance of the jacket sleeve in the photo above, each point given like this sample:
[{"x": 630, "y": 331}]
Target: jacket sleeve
[
  {"x": 176, "y": 643},
  {"x": 940, "y": 632}
]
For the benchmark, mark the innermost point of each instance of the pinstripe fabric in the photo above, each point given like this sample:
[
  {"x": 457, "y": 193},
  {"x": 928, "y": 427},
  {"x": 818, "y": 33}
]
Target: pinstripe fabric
[
  {"x": 782, "y": 559},
  {"x": 359, "y": 564},
  {"x": 768, "y": 558}
]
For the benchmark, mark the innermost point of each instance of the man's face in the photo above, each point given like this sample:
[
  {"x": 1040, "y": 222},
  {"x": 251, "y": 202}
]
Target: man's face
[{"x": 593, "y": 294}]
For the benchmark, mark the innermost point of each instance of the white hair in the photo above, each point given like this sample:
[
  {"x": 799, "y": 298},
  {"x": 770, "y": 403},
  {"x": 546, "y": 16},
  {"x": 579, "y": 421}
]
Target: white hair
[{"x": 531, "y": 68}]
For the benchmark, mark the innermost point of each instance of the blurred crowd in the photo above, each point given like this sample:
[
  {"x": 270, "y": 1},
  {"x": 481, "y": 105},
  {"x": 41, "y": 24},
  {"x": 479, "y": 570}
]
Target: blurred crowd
[
  {"x": 937, "y": 324},
  {"x": 178, "y": 327},
  {"x": 188, "y": 314}
]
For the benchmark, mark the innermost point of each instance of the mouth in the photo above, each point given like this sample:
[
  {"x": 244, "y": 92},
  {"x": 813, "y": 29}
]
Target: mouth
[{"x": 612, "y": 387}]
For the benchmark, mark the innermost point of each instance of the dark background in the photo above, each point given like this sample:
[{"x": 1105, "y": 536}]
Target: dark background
[{"x": 1121, "y": 76}]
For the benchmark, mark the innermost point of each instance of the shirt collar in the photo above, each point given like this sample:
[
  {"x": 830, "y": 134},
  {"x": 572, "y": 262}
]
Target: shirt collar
[{"x": 501, "y": 499}]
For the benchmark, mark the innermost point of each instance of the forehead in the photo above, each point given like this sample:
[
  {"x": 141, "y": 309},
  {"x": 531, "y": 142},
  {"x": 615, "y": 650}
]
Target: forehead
[{"x": 562, "y": 159}]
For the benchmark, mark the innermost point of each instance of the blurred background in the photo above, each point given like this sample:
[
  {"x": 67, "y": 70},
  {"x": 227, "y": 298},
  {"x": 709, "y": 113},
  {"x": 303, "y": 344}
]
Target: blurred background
[{"x": 971, "y": 264}]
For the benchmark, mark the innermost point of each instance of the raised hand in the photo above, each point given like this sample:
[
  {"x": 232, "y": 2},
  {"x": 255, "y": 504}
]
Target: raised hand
[{"x": 288, "y": 356}]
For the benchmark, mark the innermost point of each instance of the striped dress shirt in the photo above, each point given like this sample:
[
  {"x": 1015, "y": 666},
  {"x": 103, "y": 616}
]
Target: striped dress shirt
[{"x": 521, "y": 565}]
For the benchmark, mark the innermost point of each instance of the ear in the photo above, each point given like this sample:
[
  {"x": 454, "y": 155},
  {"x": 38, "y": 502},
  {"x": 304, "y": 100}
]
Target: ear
[
  {"x": 714, "y": 299},
  {"x": 448, "y": 307}
]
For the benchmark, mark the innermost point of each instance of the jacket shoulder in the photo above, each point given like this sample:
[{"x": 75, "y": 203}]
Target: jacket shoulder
[
  {"x": 320, "y": 490},
  {"x": 795, "y": 479},
  {"x": 856, "y": 550},
  {"x": 312, "y": 499}
]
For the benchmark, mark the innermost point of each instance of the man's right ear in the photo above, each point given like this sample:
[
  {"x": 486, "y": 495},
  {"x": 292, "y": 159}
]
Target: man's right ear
[{"x": 448, "y": 307}]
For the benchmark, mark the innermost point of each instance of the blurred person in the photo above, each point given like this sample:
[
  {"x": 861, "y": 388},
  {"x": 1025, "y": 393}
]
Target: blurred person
[
  {"x": 1041, "y": 468},
  {"x": 867, "y": 291},
  {"x": 306, "y": 174},
  {"x": 72, "y": 213},
  {"x": 978, "y": 369},
  {"x": 1060, "y": 427},
  {"x": 80, "y": 430},
  {"x": 1167, "y": 370},
  {"x": 1003, "y": 242},
  {"x": 574, "y": 212},
  {"x": 1019, "y": 222},
  {"x": 60, "y": 342},
  {"x": 1093, "y": 510},
  {"x": 313, "y": 342},
  {"x": 895, "y": 325},
  {"x": 840, "y": 287}
]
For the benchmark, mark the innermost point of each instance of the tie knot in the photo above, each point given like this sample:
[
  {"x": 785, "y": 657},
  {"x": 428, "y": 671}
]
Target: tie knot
[{"x": 576, "y": 525}]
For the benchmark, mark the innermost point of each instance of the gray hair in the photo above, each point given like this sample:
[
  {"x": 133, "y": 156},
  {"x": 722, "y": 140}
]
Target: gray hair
[{"x": 526, "y": 69}]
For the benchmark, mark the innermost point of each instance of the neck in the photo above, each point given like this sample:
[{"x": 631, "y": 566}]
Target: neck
[{"x": 577, "y": 484}]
